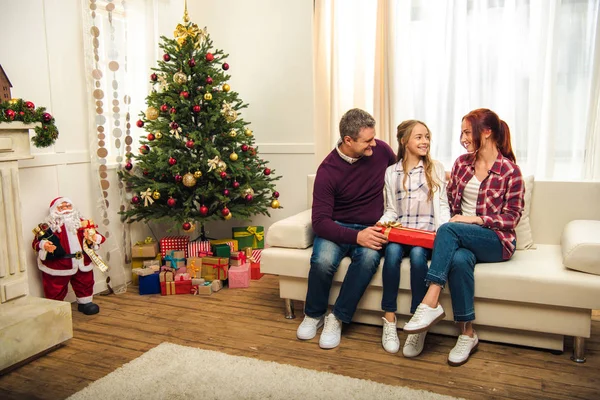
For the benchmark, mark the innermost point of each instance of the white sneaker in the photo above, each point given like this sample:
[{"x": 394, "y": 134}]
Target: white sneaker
[
  {"x": 308, "y": 328},
  {"x": 389, "y": 337},
  {"x": 424, "y": 318},
  {"x": 465, "y": 346},
  {"x": 414, "y": 344},
  {"x": 332, "y": 333}
]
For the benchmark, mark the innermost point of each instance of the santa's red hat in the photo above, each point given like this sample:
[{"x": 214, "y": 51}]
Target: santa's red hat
[{"x": 58, "y": 201}]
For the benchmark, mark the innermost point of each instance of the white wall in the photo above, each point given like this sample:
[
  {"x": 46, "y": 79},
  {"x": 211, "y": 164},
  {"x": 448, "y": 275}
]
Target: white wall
[{"x": 269, "y": 43}]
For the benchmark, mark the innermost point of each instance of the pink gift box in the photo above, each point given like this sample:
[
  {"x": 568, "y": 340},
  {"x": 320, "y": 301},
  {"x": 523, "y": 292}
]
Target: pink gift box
[{"x": 239, "y": 277}]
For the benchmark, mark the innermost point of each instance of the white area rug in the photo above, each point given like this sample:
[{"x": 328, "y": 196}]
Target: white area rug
[{"x": 170, "y": 371}]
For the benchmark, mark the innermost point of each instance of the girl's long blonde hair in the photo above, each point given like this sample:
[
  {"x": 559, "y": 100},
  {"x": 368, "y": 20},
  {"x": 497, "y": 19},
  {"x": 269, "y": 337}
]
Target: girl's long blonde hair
[{"x": 404, "y": 131}]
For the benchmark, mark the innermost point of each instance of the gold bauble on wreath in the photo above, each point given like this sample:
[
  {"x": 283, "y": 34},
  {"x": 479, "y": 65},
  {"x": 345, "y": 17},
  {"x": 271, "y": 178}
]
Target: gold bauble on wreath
[
  {"x": 207, "y": 96},
  {"x": 180, "y": 78},
  {"x": 248, "y": 132},
  {"x": 198, "y": 174},
  {"x": 156, "y": 195},
  {"x": 189, "y": 180},
  {"x": 247, "y": 191},
  {"x": 158, "y": 135},
  {"x": 275, "y": 204},
  {"x": 151, "y": 113}
]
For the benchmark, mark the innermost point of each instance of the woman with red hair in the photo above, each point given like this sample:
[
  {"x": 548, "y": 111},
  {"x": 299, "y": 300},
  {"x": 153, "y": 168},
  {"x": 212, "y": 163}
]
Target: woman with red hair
[{"x": 486, "y": 199}]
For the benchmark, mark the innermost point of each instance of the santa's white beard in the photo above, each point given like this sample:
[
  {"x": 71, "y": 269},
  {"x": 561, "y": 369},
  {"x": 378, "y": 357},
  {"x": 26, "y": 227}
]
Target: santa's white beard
[{"x": 69, "y": 218}]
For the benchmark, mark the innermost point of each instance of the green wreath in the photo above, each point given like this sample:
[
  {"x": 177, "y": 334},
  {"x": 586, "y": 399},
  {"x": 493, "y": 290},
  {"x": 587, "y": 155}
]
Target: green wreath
[{"x": 25, "y": 111}]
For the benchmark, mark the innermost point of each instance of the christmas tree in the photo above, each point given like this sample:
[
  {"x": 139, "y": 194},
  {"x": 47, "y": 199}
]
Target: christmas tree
[{"x": 198, "y": 161}]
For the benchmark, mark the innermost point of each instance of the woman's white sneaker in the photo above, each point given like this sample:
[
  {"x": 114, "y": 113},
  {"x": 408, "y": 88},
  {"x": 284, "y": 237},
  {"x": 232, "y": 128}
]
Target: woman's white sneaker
[
  {"x": 389, "y": 337},
  {"x": 424, "y": 318},
  {"x": 465, "y": 346},
  {"x": 414, "y": 344},
  {"x": 308, "y": 328},
  {"x": 332, "y": 333}
]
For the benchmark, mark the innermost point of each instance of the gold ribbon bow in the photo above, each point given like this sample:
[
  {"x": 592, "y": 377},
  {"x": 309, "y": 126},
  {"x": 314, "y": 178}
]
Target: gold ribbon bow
[
  {"x": 391, "y": 224},
  {"x": 191, "y": 31},
  {"x": 251, "y": 231},
  {"x": 213, "y": 163},
  {"x": 147, "y": 196},
  {"x": 148, "y": 240}
]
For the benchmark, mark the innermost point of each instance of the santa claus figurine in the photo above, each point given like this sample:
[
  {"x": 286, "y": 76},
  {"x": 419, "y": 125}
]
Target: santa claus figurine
[{"x": 63, "y": 243}]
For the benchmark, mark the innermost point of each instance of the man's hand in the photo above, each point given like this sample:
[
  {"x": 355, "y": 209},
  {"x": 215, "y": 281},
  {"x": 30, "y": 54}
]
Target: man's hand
[
  {"x": 467, "y": 220},
  {"x": 371, "y": 238},
  {"x": 49, "y": 247}
]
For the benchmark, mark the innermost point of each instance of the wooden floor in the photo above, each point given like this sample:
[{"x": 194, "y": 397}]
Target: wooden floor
[{"x": 250, "y": 322}]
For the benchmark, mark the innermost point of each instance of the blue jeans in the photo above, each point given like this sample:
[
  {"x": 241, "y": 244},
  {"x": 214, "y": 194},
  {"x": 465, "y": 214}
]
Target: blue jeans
[
  {"x": 324, "y": 262},
  {"x": 391, "y": 274},
  {"x": 456, "y": 250}
]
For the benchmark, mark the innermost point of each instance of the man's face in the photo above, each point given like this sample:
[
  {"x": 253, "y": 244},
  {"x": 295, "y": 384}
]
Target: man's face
[
  {"x": 364, "y": 143},
  {"x": 64, "y": 208}
]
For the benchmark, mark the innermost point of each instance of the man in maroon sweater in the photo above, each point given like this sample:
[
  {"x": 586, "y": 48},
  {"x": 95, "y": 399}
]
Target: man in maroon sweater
[{"x": 347, "y": 202}]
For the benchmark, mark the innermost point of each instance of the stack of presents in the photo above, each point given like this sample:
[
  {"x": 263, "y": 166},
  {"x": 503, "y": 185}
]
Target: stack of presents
[{"x": 181, "y": 266}]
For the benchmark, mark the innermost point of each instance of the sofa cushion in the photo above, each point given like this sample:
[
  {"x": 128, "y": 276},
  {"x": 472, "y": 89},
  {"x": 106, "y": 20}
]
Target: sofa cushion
[
  {"x": 293, "y": 232},
  {"x": 580, "y": 244},
  {"x": 523, "y": 229}
]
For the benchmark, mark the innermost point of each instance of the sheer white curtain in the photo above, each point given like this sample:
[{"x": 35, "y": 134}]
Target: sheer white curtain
[{"x": 534, "y": 62}]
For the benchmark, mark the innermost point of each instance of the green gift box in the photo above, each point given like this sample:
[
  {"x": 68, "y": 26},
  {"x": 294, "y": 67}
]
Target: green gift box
[
  {"x": 221, "y": 250},
  {"x": 250, "y": 236}
]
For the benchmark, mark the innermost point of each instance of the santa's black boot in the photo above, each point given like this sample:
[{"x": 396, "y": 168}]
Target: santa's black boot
[{"x": 88, "y": 308}]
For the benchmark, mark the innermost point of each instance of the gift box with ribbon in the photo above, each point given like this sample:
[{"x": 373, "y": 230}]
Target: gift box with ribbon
[
  {"x": 170, "y": 243},
  {"x": 176, "y": 287},
  {"x": 409, "y": 236},
  {"x": 250, "y": 236},
  {"x": 255, "y": 273},
  {"x": 199, "y": 248},
  {"x": 175, "y": 259},
  {"x": 239, "y": 276},
  {"x": 147, "y": 248},
  {"x": 221, "y": 250},
  {"x": 149, "y": 284},
  {"x": 214, "y": 268},
  {"x": 232, "y": 243},
  {"x": 167, "y": 276},
  {"x": 140, "y": 263}
]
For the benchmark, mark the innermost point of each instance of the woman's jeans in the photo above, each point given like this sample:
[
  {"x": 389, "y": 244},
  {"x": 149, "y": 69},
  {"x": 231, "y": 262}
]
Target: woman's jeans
[
  {"x": 324, "y": 262},
  {"x": 391, "y": 274},
  {"x": 456, "y": 250}
]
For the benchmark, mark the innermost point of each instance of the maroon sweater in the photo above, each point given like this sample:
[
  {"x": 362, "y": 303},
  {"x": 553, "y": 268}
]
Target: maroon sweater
[{"x": 350, "y": 193}]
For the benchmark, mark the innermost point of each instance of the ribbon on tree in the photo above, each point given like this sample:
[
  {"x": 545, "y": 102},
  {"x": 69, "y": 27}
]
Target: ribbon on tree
[
  {"x": 147, "y": 196},
  {"x": 251, "y": 231},
  {"x": 213, "y": 164},
  {"x": 183, "y": 33}
]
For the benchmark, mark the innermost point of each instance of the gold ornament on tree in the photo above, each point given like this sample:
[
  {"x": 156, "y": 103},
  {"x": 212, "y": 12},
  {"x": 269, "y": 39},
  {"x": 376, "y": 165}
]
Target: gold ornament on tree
[
  {"x": 233, "y": 157},
  {"x": 227, "y": 217},
  {"x": 156, "y": 195},
  {"x": 189, "y": 31},
  {"x": 192, "y": 228},
  {"x": 180, "y": 78},
  {"x": 247, "y": 191},
  {"x": 226, "y": 88},
  {"x": 221, "y": 166},
  {"x": 213, "y": 163},
  {"x": 151, "y": 113},
  {"x": 158, "y": 135},
  {"x": 198, "y": 174},
  {"x": 248, "y": 132},
  {"x": 147, "y": 197},
  {"x": 275, "y": 204},
  {"x": 207, "y": 96},
  {"x": 189, "y": 180},
  {"x": 233, "y": 133},
  {"x": 228, "y": 112}
]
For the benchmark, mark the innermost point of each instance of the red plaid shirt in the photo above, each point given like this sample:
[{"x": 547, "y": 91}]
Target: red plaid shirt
[{"x": 501, "y": 196}]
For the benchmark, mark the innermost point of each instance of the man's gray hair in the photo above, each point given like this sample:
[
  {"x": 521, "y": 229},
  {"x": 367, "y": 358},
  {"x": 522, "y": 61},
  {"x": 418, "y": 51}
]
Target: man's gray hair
[{"x": 353, "y": 121}]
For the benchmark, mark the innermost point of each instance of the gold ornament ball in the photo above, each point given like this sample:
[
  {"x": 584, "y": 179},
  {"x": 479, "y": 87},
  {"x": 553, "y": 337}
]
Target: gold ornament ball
[
  {"x": 158, "y": 135},
  {"x": 156, "y": 195},
  {"x": 232, "y": 133},
  {"x": 227, "y": 217},
  {"x": 221, "y": 166},
  {"x": 13, "y": 101},
  {"x": 198, "y": 174},
  {"x": 230, "y": 115},
  {"x": 226, "y": 88},
  {"x": 180, "y": 78},
  {"x": 233, "y": 157},
  {"x": 207, "y": 96},
  {"x": 152, "y": 113},
  {"x": 248, "y": 132},
  {"x": 247, "y": 191},
  {"x": 275, "y": 204},
  {"x": 189, "y": 180}
]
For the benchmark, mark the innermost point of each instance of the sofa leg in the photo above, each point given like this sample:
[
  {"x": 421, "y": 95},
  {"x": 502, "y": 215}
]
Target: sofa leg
[
  {"x": 289, "y": 309},
  {"x": 578, "y": 350}
]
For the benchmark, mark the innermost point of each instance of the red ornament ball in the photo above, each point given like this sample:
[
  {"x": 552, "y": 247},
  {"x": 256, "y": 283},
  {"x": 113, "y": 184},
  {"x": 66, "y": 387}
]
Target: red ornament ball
[
  {"x": 145, "y": 172},
  {"x": 128, "y": 166},
  {"x": 164, "y": 108},
  {"x": 172, "y": 110},
  {"x": 186, "y": 226},
  {"x": 46, "y": 117},
  {"x": 135, "y": 199},
  {"x": 223, "y": 174},
  {"x": 209, "y": 57},
  {"x": 203, "y": 210},
  {"x": 139, "y": 123},
  {"x": 249, "y": 198},
  {"x": 236, "y": 184},
  {"x": 267, "y": 171},
  {"x": 185, "y": 94},
  {"x": 245, "y": 147},
  {"x": 151, "y": 136},
  {"x": 10, "y": 114},
  {"x": 172, "y": 161},
  {"x": 226, "y": 192},
  {"x": 225, "y": 66},
  {"x": 174, "y": 125},
  {"x": 171, "y": 202},
  {"x": 209, "y": 80},
  {"x": 21, "y": 113},
  {"x": 192, "y": 63},
  {"x": 189, "y": 144},
  {"x": 29, "y": 105},
  {"x": 196, "y": 108},
  {"x": 178, "y": 178},
  {"x": 153, "y": 77},
  {"x": 276, "y": 195},
  {"x": 144, "y": 149},
  {"x": 225, "y": 211},
  {"x": 166, "y": 57}
]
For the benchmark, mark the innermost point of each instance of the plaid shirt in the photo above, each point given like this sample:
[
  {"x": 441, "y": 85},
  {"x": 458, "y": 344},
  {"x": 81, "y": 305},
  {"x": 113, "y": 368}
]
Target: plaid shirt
[{"x": 501, "y": 197}]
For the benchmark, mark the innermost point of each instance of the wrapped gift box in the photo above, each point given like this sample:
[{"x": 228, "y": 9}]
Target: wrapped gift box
[
  {"x": 149, "y": 284},
  {"x": 175, "y": 259},
  {"x": 138, "y": 263},
  {"x": 197, "y": 281},
  {"x": 255, "y": 273},
  {"x": 166, "y": 276},
  {"x": 233, "y": 244},
  {"x": 239, "y": 277},
  {"x": 216, "y": 285},
  {"x": 176, "y": 287},
  {"x": 142, "y": 271},
  {"x": 221, "y": 250},
  {"x": 205, "y": 289},
  {"x": 214, "y": 268},
  {"x": 145, "y": 249},
  {"x": 250, "y": 236},
  {"x": 170, "y": 243},
  {"x": 409, "y": 236},
  {"x": 198, "y": 248}
]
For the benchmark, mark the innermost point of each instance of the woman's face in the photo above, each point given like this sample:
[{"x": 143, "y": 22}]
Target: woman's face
[{"x": 466, "y": 136}]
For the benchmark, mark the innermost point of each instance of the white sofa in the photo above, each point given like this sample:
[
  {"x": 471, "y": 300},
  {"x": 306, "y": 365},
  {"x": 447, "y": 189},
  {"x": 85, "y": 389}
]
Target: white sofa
[{"x": 531, "y": 300}]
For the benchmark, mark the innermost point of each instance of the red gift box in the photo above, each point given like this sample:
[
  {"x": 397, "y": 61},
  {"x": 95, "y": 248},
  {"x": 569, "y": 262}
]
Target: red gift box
[
  {"x": 169, "y": 243},
  {"x": 176, "y": 287},
  {"x": 409, "y": 236},
  {"x": 199, "y": 248},
  {"x": 255, "y": 273}
]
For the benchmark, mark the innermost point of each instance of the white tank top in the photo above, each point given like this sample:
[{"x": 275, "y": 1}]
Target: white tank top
[{"x": 469, "y": 197}]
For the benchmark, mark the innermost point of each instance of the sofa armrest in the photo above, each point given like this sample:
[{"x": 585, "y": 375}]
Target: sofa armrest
[
  {"x": 292, "y": 232},
  {"x": 580, "y": 244}
]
